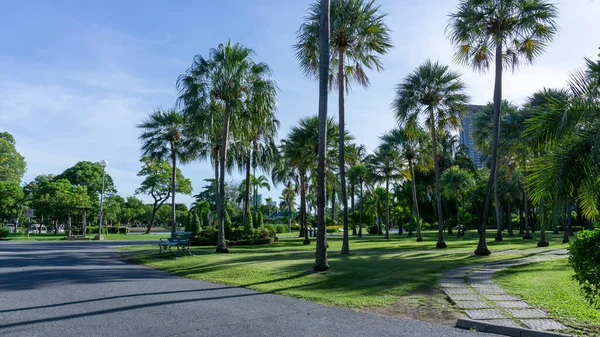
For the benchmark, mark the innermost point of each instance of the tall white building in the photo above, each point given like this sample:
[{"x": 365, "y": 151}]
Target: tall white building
[{"x": 466, "y": 137}]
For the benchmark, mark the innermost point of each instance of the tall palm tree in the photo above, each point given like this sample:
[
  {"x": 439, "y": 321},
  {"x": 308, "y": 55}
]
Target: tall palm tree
[
  {"x": 257, "y": 183},
  {"x": 163, "y": 138},
  {"x": 359, "y": 37},
  {"x": 436, "y": 93},
  {"x": 411, "y": 142},
  {"x": 229, "y": 76},
  {"x": 288, "y": 195},
  {"x": 384, "y": 166},
  {"x": 456, "y": 183},
  {"x": 504, "y": 31}
]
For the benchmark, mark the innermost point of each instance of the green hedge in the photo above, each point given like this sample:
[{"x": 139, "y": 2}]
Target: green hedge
[
  {"x": 4, "y": 232},
  {"x": 584, "y": 257}
]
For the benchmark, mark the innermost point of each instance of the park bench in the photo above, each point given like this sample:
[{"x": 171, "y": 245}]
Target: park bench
[{"x": 180, "y": 240}]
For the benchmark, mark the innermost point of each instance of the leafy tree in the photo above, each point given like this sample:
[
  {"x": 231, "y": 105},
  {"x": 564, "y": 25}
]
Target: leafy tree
[
  {"x": 12, "y": 163},
  {"x": 89, "y": 174},
  {"x": 358, "y": 38},
  {"x": 162, "y": 138},
  {"x": 504, "y": 31},
  {"x": 113, "y": 209},
  {"x": 435, "y": 93},
  {"x": 12, "y": 196},
  {"x": 456, "y": 183},
  {"x": 132, "y": 210},
  {"x": 158, "y": 184}
]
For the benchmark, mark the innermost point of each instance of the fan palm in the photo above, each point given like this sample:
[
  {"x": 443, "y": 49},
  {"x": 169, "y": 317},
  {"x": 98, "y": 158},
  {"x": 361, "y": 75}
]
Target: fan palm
[
  {"x": 358, "y": 37},
  {"x": 435, "y": 93},
  {"x": 163, "y": 138},
  {"x": 384, "y": 166},
  {"x": 229, "y": 77},
  {"x": 411, "y": 143},
  {"x": 504, "y": 31},
  {"x": 456, "y": 183},
  {"x": 357, "y": 176}
]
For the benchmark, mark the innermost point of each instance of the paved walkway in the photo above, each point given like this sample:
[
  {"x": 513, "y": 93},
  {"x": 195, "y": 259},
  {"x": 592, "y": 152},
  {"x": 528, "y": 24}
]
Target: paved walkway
[
  {"x": 84, "y": 289},
  {"x": 472, "y": 289}
]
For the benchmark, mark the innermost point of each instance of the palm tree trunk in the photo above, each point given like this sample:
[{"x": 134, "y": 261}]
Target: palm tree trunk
[
  {"x": 440, "y": 243},
  {"x": 509, "y": 220},
  {"x": 342, "y": 167},
  {"x": 497, "y": 207},
  {"x": 255, "y": 192},
  {"x": 333, "y": 205},
  {"x": 303, "y": 216},
  {"x": 321, "y": 262},
  {"x": 521, "y": 220},
  {"x": 387, "y": 209},
  {"x": 70, "y": 231},
  {"x": 217, "y": 163},
  {"x": 221, "y": 245},
  {"x": 543, "y": 223},
  {"x": 482, "y": 246},
  {"x": 83, "y": 222},
  {"x": 566, "y": 224},
  {"x": 246, "y": 193},
  {"x": 457, "y": 218},
  {"x": 415, "y": 202},
  {"x": 353, "y": 209},
  {"x": 362, "y": 201},
  {"x": 527, "y": 235},
  {"x": 173, "y": 174},
  {"x": 446, "y": 208}
]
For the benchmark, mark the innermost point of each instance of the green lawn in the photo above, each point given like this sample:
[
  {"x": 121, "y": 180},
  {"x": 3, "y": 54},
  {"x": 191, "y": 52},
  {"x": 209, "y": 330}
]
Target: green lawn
[
  {"x": 548, "y": 285},
  {"x": 376, "y": 274}
]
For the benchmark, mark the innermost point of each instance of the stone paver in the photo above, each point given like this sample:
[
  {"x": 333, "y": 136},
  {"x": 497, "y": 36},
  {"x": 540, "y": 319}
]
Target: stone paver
[
  {"x": 543, "y": 324},
  {"x": 512, "y": 304},
  {"x": 464, "y": 297},
  {"x": 480, "y": 287},
  {"x": 449, "y": 291},
  {"x": 473, "y": 304},
  {"x": 485, "y": 314},
  {"x": 526, "y": 313},
  {"x": 501, "y": 297},
  {"x": 453, "y": 285}
]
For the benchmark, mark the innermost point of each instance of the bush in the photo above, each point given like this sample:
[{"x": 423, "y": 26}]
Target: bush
[
  {"x": 194, "y": 224},
  {"x": 123, "y": 230},
  {"x": 584, "y": 257},
  {"x": 228, "y": 226},
  {"x": 206, "y": 237},
  {"x": 333, "y": 229},
  {"x": 294, "y": 227},
  {"x": 260, "y": 219},
  {"x": 248, "y": 223},
  {"x": 280, "y": 229},
  {"x": 4, "y": 232},
  {"x": 112, "y": 230},
  {"x": 374, "y": 229},
  {"x": 91, "y": 229},
  {"x": 329, "y": 222}
]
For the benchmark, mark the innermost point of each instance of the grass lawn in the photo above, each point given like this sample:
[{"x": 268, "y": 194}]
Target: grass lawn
[
  {"x": 548, "y": 285},
  {"x": 377, "y": 274},
  {"x": 109, "y": 237}
]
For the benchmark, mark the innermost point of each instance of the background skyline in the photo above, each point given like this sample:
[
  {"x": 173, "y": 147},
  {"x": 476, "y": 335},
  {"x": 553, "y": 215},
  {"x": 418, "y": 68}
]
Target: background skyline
[{"x": 76, "y": 77}]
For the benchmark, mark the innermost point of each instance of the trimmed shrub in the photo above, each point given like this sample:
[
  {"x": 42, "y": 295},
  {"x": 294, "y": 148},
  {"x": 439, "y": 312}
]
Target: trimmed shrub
[
  {"x": 374, "y": 229},
  {"x": 228, "y": 227},
  {"x": 280, "y": 229},
  {"x": 584, "y": 257},
  {"x": 332, "y": 229},
  {"x": 294, "y": 227},
  {"x": 194, "y": 225},
  {"x": 4, "y": 232},
  {"x": 248, "y": 223},
  {"x": 91, "y": 229},
  {"x": 260, "y": 219},
  {"x": 112, "y": 230},
  {"x": 123, "y": 230}
]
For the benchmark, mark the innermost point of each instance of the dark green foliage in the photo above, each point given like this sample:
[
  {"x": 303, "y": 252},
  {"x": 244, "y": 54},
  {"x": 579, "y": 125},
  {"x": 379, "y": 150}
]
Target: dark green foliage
[
  {"x": 123, "y": 230},
  {"x": 255, "y": 222},
  {"x": 91, "y": 229},
  {"x": 248, "y": 222},
  {"x": 585, "y": 260},
  {"x": 188, "y": 224},
  {"x": 3, "y": 232},
  {"x": 227, "y": 224},
  {"x": 260, "y": 219},
  {"x": 238, "y": 236},
  {"x": 373, "y": 229},
  {"x": 194, "y": 225},
  {"x": 276, "y": 228},
  {"x": 294, "y": 227}
]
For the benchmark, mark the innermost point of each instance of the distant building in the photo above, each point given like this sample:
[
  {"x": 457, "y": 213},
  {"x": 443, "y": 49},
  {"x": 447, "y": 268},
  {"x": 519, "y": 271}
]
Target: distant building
[
  {"x": 258, "y": 197},
  {"x": 466, "y": 137}
]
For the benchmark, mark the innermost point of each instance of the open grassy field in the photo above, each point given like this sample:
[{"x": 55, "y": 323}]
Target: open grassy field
[{"x": 376, "y": 274}]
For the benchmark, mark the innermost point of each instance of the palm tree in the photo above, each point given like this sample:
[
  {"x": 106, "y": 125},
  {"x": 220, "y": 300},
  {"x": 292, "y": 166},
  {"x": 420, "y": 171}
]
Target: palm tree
[
  {"x": 436, "y": 93},
  {"x": 229, "y": 77},
  {"x": 456, "y": 183},
  {"x": 566, "y": 132},
  {"x": 260, "y": 182},
  {"x": 288, "y": 197},
  {"x": 410, "y": 141},
  {"x": 357, "y": 175},
  {"x": 359, "y": 37},
  {"x": 384, "y": 166},
  {"x": 504, "y": 31},
  {"x": 163, "y": 138}
]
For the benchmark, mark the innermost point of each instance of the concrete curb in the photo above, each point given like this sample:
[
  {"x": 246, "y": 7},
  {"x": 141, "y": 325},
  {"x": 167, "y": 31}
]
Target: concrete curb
[{"x": 503, "y": 330}]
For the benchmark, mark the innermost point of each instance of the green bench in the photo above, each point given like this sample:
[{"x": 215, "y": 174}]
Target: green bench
[{"x": 180, "y": 240}]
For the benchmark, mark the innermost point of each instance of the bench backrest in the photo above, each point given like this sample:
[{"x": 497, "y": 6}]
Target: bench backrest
[{"x": 180, "y": 237}]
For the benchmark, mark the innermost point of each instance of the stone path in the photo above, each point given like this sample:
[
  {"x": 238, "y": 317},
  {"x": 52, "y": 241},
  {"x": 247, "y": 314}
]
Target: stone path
[{"x": 472, "y": 289}]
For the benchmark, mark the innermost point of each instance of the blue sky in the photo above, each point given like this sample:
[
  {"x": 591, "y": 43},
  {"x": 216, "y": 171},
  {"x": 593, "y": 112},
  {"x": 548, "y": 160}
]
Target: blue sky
[{"x": 77, "y": 76}]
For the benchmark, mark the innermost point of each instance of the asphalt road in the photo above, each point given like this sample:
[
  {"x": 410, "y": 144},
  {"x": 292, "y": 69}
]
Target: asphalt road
[{"x": 85, "y": 289}]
